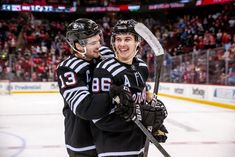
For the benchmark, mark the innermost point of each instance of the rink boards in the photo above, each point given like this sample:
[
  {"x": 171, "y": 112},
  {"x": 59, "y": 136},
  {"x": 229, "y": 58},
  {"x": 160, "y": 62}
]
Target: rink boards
[{"x": 222, "y": 96}]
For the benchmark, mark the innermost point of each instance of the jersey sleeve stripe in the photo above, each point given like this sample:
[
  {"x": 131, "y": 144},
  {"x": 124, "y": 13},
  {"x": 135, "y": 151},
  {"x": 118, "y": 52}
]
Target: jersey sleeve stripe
[
  {"x": 110, "y": 56},
  {"x": 78, "y": 102},
  {"x": 98, "y": 65},
  {"x": 107, "y": 51},
  {"x": 139, "y": 59},
  {"x": 118, "y": 71},
  {"x": 74, "y": 89},
  {"x": 81, "y": 66},
  {"x": 107, "y": 63},
  {"x": 113, "y": 66},
  {"x": 76, "y": 98},
  {"x": 69, "y": 61},
  {"x": 104, "y": 49},
  {"x": 142, "y": 65},
  {"x": 75, "y": 63},
  {"x": 60, "y": 64},
  {"x": 63, "y": 62},
  {"x": 72, "y": 95}
]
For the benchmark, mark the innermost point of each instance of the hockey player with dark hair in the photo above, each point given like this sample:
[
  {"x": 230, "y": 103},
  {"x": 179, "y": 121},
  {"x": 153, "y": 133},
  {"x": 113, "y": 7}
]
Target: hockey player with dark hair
[
  {"x": 74, "y": 78},
  {"x": 124, "y": 78}
]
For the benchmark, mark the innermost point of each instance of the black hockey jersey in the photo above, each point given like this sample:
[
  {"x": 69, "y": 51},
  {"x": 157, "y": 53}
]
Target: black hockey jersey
[
  {"x": 74, "y": 80},
  {"x": 112, "y": 134}
]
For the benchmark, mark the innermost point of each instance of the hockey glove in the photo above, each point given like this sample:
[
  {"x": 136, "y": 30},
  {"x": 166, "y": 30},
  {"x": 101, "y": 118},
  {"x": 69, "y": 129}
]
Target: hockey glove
[
  {"x": 154, "y": 114},
  {"x": 160, "y": 134},
  {"x": 159, "y": 105},
  {"x": 124, "y": 104}
]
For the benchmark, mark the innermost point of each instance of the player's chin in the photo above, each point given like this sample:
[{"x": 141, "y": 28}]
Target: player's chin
[
  {"x": 124, "y": 58},
  {"x": 96, "y": 55},
  {"x": 124, "y": 55}
]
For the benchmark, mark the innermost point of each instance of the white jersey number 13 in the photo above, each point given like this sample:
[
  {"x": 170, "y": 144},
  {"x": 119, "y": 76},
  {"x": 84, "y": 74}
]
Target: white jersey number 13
[{"x": 67, "y": 80}]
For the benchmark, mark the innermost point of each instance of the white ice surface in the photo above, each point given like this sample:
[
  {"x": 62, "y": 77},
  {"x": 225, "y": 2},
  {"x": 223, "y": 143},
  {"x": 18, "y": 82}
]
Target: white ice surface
[{"x": 32, "y": 126}]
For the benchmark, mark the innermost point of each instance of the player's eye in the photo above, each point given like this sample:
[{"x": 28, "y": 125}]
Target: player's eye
[
  {"x": 127, "y": 39},
  {"x": 94, "y": 42},
  {"x": 118, "y": 39}
]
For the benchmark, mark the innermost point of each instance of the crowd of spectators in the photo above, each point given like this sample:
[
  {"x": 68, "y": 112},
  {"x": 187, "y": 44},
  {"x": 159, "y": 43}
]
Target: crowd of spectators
[{"x": 200, "y": 48}]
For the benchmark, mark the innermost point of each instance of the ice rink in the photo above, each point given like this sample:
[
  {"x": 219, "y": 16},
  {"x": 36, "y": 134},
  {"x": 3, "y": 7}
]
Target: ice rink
[{"x": 32, "y": 126}]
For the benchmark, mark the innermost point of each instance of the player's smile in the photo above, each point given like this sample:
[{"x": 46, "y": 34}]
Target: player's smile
[
  {"x": 123, "y": 50},
  {"x": 93, "y": 46}
]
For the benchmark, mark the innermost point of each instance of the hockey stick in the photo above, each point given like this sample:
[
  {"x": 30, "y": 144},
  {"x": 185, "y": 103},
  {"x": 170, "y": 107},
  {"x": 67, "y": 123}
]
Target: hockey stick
[
  {"x": 150, "y": 136},
  {"x": 153, "y": 42},
  {"x": 148, "y": 36}
]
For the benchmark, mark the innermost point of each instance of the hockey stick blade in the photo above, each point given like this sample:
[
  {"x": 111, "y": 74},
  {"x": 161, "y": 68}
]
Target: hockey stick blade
[
  {"x": 150, "y": 137},
  {"x": 148, "y": 36}
]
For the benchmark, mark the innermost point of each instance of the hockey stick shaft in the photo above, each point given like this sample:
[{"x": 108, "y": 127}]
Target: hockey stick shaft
[
  {"x": 159, "y": 60},
  {"x": 150, "y": 137}
]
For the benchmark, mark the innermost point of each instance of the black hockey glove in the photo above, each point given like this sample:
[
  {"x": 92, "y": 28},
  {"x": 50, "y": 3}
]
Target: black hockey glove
[
  {"x": 159, "y": 105},
  {"x": 154, "y": 114},
  {"x": 123, "y": 101},
  {"x": 160, "y": 134}
]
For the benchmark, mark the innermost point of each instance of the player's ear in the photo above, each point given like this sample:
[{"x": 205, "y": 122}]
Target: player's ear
[
  {"x": 78, "y": 46},
  {"x": 137, "y": 43},
  {"x": 137, "y": 46}
]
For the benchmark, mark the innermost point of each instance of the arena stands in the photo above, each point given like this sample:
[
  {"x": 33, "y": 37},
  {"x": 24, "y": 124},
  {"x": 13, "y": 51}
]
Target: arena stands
[{"x": 199, "y": 46}]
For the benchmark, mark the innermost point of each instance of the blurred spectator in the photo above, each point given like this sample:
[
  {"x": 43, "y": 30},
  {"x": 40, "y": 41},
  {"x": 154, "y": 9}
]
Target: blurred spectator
[
  {"x": 231, "y": 75},
  {"x": 32, "y": 45}
]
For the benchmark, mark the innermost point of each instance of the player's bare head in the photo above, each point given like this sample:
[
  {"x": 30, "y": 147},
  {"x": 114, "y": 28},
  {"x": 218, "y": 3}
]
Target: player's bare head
[
  {"x": 124, "y": 40},
  {"x": 81, "y": 33}
]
